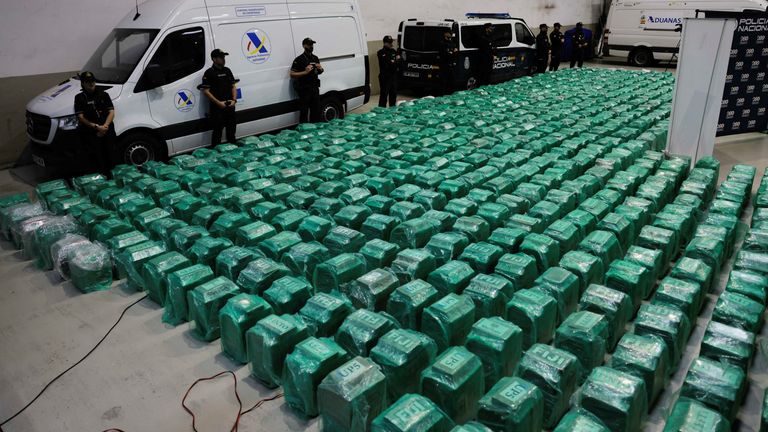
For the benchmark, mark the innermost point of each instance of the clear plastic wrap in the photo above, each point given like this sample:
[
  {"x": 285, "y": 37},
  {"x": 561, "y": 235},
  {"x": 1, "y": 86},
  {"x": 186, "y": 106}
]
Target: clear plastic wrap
[
  {"x": 323, "y": 313},
  {"x": 407, "y": 303},
  {"x": 455, "y": 382},
  {"x": 756, "y": 240},
  {"x": 341, "y": 240},
  {"x": 718, "y": 385},
  {"x": 694, "y": 270},
  {"x": 519, "y": 268},
  {"x": 109, "y": 228},
  {"x": 563, "y": 286},
  {"x": 371, "y": 290},
  {"x": 49, "y": 233},
  {"x": 337, "y": 271},
  {"x": 239, "y": 314},
  {"x": 752, "y": 261},
  {"x": 179, "y": 283},
  {"x": 14, "y": 199},
  {"x": 509, "y": 239},
  {"x": 614, "y": 305},
  {"x": 580, "y": 420},
  {"x": 412, "y": 413},
  {"x": 512, "y": 404},
  {"x": 728, "y": 344},
  {"x": 259, "y": 275},
  {"x": 352, "y": 395},
  {"x": 490, "y": 294},
  {"x": 498, "y": 344},
  {"x": 13, "y": 215},
  {"x": 379, "y": 253},
  {"x": 449, "y": 320},
  {"x": 535, "y": 312},
  {"x": 584, "y": 334},
  {"x": 63, "y": 250},
  {"x": 645, "y": 357},
  {"x": 686, "y": 296},
  {"x": 451, "y": 277},
  {"x": 269, "y": 341},
  {"x": 91, "y": 268},
  {"x": 690, "y": 415},
  {"x": 447, "y": 246},
  {"x": 204, "y": 303},
  {"x": 362, "y": 329},
  {"x": 651, "y": 259},
  {"x": 288, "y": 294},
  {"x": 631, "y": 279},
  {"x": 618, "y": 399},
  {"x": 667, "y": 323},
  {"x": 414, "y": 233},
  {"x": 739, "y": 311},
  {"x": 588, "y": 268},
  {"x": 412, "y": 264},
  {"x": 748, "y": 284}
]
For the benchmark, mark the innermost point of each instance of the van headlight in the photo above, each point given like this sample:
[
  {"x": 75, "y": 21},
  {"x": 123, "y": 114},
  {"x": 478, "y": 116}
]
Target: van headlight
[{"x": 69, "y": 122}]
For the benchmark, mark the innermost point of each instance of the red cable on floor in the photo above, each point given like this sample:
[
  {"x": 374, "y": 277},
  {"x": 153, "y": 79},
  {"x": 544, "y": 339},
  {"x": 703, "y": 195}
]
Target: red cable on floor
[{"x": 240, "y": 412}]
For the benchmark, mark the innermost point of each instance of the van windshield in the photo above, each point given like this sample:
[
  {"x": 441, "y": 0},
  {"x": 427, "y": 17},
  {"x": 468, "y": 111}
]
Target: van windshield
[
  {"x": 117, "y": 56},
  {"x": 422, "y": 38}
]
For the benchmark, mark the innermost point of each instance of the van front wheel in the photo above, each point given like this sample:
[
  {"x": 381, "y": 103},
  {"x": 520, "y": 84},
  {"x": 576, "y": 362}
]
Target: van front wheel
[
  {"x": 641, "y": 57},
  {"x": 139, "y": 148},
  {"x": 331, "y": 108}
]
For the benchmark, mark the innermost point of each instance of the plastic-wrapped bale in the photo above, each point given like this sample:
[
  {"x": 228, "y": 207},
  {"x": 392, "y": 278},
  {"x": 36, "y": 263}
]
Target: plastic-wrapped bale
[
  {"x": 276, "y": 246},
  {"x": 182, "y": 239},
  {"x": 323, "y": 313},
  {"x": 603, "y": 245},
  {"x": 683, "y": 295},
  {"x": 259, "y": 275},
  {"x": 661, "y": 239},
  {"x": 63, "y": 250},
  {"x": 407, "y": 303},
  {"x": 563, "y": 286},
  {"x": 645, "y": 357},
  {"x": 565, "y": 233},
  {"x": 156, "y": 270},
  {"x": 23, "y": 233},
  {"x": 378, "y": 226},
  {"x": 535, "y": 312},
  {"x": 449, "y": 320},
  {"x": 314, "y": 228},
  {"x": 694, "y": 270},
  {"x": 309, "y": 363},
  {"x": 412, "y": 413},
  {"x": 584, "y": 334},
  {"x": 764, "y": 414},
  {"x": 14, "y": 199},
  {"x": 206, "y": 249},
  {"x": 632, "y": 279},
  {"x": 302, "y": 258},
  {"x": 614, "y": 305},
  {"x": 482, "y": 256},
  {"x": 580, "y": 420},
  {"x": 542, "y": 248},
  {"x": 379, "y": 253},
  {"x": 43, "y": 190},
  {"x": 587, "y": 267},
  {"x": 729, "y": 344},
  {"x": 108, "y": 228},
  {"x": 239, "y": 314},
  {"x": 474, "y": 227},
  {"x": 361, "y": 330},
  {"x": 231, "y": 261},
  {"x": 667, "y": 323},
  {"x": 556, "y": 373},
  {"x": 250, "y": 235},
  {"x": 343, "y": 240},
  {"x": 471, "y": 427},
  {"x": 227, "y": 224},
  {"x": 371, "y": 290},
  {"x": 180, "y": 283},
  {"x": 519, "y": 268},
  {"x": 451, "y": 277},
  {"x": 412, "y": 264},
  {"x": 690, "y": 415},
  {"x": 584, "y": 221},
  {"x": 402, "y": 355},
  {"x": 620, "y": 226},
  {"x": 455, "y": 383},
  {"x": 269, "y": 341},
  {"x": 752, "y": 261},
  {"x": 351, "y": 396},
  {"x": 710, "y": 250},
  {"x": 490, "y": 293},
  {"x": 756, "y": 240},
  {"x": 163, "y": 229},
  {"x": 739, "y": 311},
  {"x": 14, "y": 215},
  {"x": 288, "y": 294},
  {"x": 130, "y": 262},
  {"x": 718, "y": 385},
  {"x": 447, "y": 246},
  {"x": 414, "y": 233},
  {"x": 337, "y": 271},
  {"x": 512, "y": 404},
  {"x": 498, "y": 344},
  {"x": 91, "y": 268},
  {"x": 617, "y": 398},
  {"x": 748, "y": 284}
]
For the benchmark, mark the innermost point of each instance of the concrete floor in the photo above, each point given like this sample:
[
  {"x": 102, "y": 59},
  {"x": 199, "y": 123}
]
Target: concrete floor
[{"x": 135, "y": 381}]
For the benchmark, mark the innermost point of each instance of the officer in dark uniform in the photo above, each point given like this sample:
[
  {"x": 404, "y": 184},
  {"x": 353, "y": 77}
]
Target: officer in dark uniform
[
  {"x": 579, "y": 46},
  {"x": 557, "y": 40},
  {"x": 388, "y": 60},
  {"x": 447, "y": 59},
  {"x": 305, "y": 72},
  {"x": 542, "y": 49},
  {"x": 220, "y": 89},
  {"x": 95, "y": 113},
  {"x": 485, "y": 55}
]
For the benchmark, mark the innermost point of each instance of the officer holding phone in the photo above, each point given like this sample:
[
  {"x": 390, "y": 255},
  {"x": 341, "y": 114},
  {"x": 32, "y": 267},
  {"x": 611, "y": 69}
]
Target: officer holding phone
[{"x": 305, "y": 71}]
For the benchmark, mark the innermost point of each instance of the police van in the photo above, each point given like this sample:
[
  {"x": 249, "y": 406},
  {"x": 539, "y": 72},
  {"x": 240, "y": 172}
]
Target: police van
[
  {"x": 153, "y": 61},
  {"x": 644, "y": 31},
  {"x": 420, "y": 41}
]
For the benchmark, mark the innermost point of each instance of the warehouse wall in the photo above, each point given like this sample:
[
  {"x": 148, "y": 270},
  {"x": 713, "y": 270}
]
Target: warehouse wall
[{"x": 45, "y": 41}]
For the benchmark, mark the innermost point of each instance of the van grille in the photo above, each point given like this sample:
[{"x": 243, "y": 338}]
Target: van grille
[{"x": 38, "y": 126}]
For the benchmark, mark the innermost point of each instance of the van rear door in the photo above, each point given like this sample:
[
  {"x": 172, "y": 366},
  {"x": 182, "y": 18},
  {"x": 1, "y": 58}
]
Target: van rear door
[{"x": 419, "y": 51}]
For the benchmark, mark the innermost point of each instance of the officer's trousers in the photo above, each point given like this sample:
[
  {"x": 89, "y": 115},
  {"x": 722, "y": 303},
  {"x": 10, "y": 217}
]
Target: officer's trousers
[
  {"x": 388, "y": 90},
  {"x": 309, "y": 105},
  {"x": 221, "y": 119}
]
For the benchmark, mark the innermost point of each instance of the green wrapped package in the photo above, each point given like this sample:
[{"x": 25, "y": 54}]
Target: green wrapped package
[
  {"x": 535, "y": 312},
  {"x": 748, "y": 284},
  {"x": 498, "y": 345},
  {"x": 449, "y": 320},
  {"x": 490, "y": 294},
  {"x": 739, "y": 311},
  {"x": 91, "y": 268},
  {"x": 303, "y": 258},
  {"x": 314, "y": 228},
  {"x": 276, "y": 246},
  {"x": 239, "y": 314},
  {"x": 352, "y": 395},
  {"x": 694, "y": 270},
  {"x": 379, "y": 253},
  {"x": 519, "y": 268},
  {"x": 337, "y": 271},
  {"x": 451, "y": 277},
  {"x": 602, "y": 244},
  {"x": 183, "y": 238},
  {"x": 268, "y": 343},
  {"x": 474, "y": 227},
  {"x": 372, "y": 290},
  {"x": 690, "y": 415},
  {"x": 580, "y": 420},
  {"x": 309, "y": 363},
  {"x": 361, "y": 330},
  {"x": 471, "y": 427},
  {"x": 661, "y": 239},
  {"x": 620, "y": 226},
  {"x": 288, "y": 294},
  {"x": 155, "y": 271},
  {"x": 588, "y": 268},
  {"x": 632, "y": 279},
  {"x": 204, "y": 302},
  {"x": 461, "y": 207},
  {"x": 14, "y": 199},
  {"x": 617, "y": 398},
  {"x": 565, "y": 233},
  {"x": 407, "y": 303},
  {"x": 343, "y": 240},
  {"x": 651, "y": 259},
  {"x": 512, "y": 404},
  {"x": 378, "y": 226},
  {"x": 48, "y": 234},
  {"x": 584, "y": 221},
  {"x": 584, "y": 334},
  {"x": 43, "y": 190},
  {"x": 120, "y": 242},
  {"x": 447, "y": 246},
  {"x": 412, "y": 264},
  {"x": 143, "y": 220},
  {"x": 180, "y": 283},
  {"x": 543, "y": 249},
  {"x": 683, "y": 295},
  {"x": 555, "y": 372},
  {"x": 494, "y": 214},
  {"x": 526, "y": 223},
  {"x": 259, "y": 275},
  {"x": 231, "y": 261},
  {"x": 455, "y": 383},
  {"x": 764, "y": 414},
  {"x": 482, "y": 256},
  {"x": 323, "y": 313},
  {"x": 163, "y": 229},
  {"x": 352, "y": 216},
  {"x": 62, "y": 252},
  {"x": 718, "y": 385},
  {"x": 13, "y": 216},
  {"x": 109, "y": 228},
  {"x": 206, "y": 249},
  {"x": 756, "y": 240},
  {"x": 289, "y": 220},
  {"x": 414, "y": 233},
  {"x": 250, "y": 235},
  {"x": 380, "y": 205},
  {"x": 667, "y": 323},
  {"x": 130, "y": 262},
  {"x": 563, "y": 286},
  {"x": 227, "y": 223},
  {"x": 709, "y": 250},
  {"x": 412, "y": 413},
  {"x": 752, "y": 261},
  {"x": 402, "y": 355},
  {"x": 614, "y": 305},
  {"x": 728, "y": 344},
  {"x": 645, "y": 357}
]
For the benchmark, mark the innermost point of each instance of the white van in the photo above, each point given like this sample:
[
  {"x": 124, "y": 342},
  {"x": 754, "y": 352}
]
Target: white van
[
  {"x": 644, "y": 30},
  {"x": 153, "y": 61}
]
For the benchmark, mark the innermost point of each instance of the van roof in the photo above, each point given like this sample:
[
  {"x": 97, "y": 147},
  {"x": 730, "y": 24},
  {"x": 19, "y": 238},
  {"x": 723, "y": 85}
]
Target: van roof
[
  {"x": 156, "y": 14},
  {"x": 463, "y": 21}
]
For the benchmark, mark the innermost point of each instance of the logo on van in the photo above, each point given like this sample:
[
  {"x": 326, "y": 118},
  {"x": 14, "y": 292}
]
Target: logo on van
[
  {"x": 256, "y": 46},
  {"x": 184, "y": 100}
]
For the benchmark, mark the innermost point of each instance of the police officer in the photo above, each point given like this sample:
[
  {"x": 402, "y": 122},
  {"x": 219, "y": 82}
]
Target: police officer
[
  {"x": 220, "y": 89},
  {"x": 485, "y": 55},
  {"x": 95, "y": 113},
  {"x": 557, "y": 39},
  {"x": 542, "y": 49},
  {"x": 388, "y": 59},
  {"x": 579, "y": 46},
  {"x": 447, "y": 59},
  {"x": 305, "y": 72}
]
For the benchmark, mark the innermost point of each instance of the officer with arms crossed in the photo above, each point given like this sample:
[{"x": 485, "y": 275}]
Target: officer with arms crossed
[
  {"x": 220, "y": 89},
  {"x": 579, "y": 46},
  {"x": 95, "y": 113},
  {"x": 557, "y": 40},
  {"x": 305, "y": 71},
  {"x": 388, "y": 59},
  {"x": 447, "y": 54},
  {"x": 486, "y": 50},
  {"x": 542, "y": 49}
]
